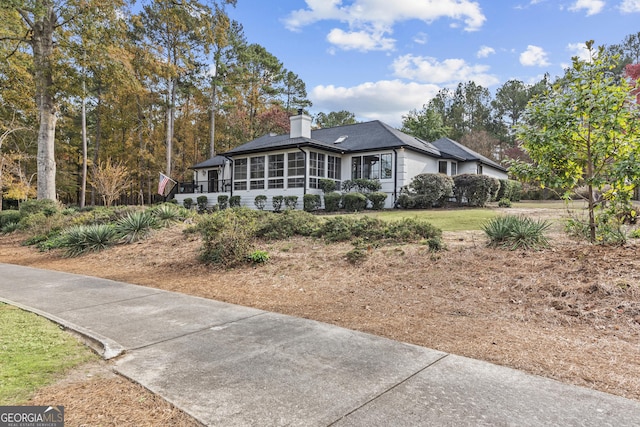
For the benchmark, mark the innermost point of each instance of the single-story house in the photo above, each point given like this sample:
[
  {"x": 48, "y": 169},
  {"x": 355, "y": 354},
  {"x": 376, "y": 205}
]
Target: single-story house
[{"x": 292, "y": 164}]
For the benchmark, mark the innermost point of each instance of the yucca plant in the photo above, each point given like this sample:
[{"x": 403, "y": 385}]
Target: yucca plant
[
  {"x": 516, "y": 232},
  {"x": 87, "y": 238},
  {"x": 135, "y": 226},
  {"x": 167, "y": 214}
]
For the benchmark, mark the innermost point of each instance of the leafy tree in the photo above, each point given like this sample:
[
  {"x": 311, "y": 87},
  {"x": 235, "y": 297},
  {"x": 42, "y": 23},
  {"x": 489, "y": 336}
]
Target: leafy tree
[
  {"x": 335, "y": 118},
  {"x": 111, "y": 180},
  {"x": 44, "y": 24},
  {"x": 426, "y": 124},
  {"x": 585, "y": 132}
]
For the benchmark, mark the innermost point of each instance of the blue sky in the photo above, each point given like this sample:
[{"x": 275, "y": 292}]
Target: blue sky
[{"x": 381, "y": 58}]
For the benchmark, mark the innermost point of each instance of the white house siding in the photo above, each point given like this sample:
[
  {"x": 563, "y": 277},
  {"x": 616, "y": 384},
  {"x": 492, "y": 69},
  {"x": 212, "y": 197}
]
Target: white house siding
[{"x": 472, "y": 168}]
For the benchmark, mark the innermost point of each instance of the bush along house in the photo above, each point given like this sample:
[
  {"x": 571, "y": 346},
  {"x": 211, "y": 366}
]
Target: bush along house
[{"x": 298, "y": 163}]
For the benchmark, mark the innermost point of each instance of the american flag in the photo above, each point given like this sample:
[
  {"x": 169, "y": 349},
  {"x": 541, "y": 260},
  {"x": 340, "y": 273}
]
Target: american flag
[{"x": 162, "y": 184}]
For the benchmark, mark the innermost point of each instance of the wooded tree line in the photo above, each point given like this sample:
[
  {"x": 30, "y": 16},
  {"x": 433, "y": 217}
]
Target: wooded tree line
[
  {"x": 146, "y": 86},
  {"x": 487, "y": 124}
]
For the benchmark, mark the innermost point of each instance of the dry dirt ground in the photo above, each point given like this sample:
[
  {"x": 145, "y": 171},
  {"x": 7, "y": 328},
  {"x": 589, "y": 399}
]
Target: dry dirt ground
[{"x": 570, "y": 312}]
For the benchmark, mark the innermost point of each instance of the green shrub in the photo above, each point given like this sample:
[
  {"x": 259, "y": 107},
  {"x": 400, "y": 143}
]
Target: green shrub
[
  {"x": 332, "y": 201},
  {"x": 46, "y": 206},
  {"x": 291, "y": 202},
  {"x": 635, "y": 234},
  {"x": 405, "y": 201},
  {"x": 276, "y": 202},
  {"x": 504, "y": 203},
  {"x": 289, "y": 223},
  {"x": 9, "y": 217},
  {"x": 234, "y": 201},
  {"x": 475, "y": 190},
  {"x": 311, "y": 202},
  {"x": 327, "y": 185},
  {"x": 435, "y": 243},
  {"x": 259, "y": 257},
  {"x": 135, "y": 226},
  {"x": 362, "y": 185},
  {"x": 223, "y": 202},
  {"x": 201, "y": 204},
  {"x": 187, "y": 202},
  {"x": 377, "y": 200},
  {"x": 80, "y": 239},
  {"x": 260, "y": 201},
  {"x": 435, "y": 188},
  {"x": 354, "y": 202},
  {"x": 10, "y": 227},
  {"x": 356, "y": 255},
  {"x": 516, "y": 232},
  {"x": 411, "y": 230},
  {"x": 337, "y": 229},
  {"x": 227, "y": 237}
]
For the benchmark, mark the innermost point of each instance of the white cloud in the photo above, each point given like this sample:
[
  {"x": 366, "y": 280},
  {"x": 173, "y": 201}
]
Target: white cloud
[
  {"x": 630, "y": 6},
  {"x": 377, "y": 17},
  {"x": 580, "y": 50},
  {"x": 593, "y": 7},
  {"x": 359, "y": 40},
  {"x": 385, "y": 100},
  {"x": 485, "y": 51},
  {"x": 429, "y": 70},
  {"x": 421, "y": 38},
  {"x": 534, "y": 56}
]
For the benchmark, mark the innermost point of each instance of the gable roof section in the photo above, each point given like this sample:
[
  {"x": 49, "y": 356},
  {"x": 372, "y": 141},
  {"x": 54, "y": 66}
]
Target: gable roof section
[
  {"x": 212, "y": 162},
  {"x": 369, "y": 136},
  {"x": 452, "y": 149}
]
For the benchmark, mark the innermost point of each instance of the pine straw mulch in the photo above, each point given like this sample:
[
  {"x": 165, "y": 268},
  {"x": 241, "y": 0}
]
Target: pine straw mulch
[{"x": 570, "y": 312}]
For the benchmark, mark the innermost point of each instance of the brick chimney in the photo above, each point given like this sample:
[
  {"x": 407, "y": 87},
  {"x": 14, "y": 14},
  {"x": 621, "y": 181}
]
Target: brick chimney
[{"x": 300, "y": 126}]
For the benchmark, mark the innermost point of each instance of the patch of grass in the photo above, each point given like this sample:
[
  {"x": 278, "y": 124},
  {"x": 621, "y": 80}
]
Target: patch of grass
[
  {"x": 446, "y": 220},
  {"x": 33, "y": 353},
  {"x": 516, "y": 232}
]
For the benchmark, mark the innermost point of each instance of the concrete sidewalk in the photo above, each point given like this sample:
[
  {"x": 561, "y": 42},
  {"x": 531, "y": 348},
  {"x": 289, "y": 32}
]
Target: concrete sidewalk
[{"x": 228, "y": 365}]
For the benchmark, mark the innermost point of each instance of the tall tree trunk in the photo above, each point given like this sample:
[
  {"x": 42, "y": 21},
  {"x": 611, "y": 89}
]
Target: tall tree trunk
[
  {"x": 83, "y": 185},
  {"x": 42, "y": 45},
  {"x": 212, "y": 120},
  {"x": 170, "y": 119},
  {"x": 97, "y": 138}
]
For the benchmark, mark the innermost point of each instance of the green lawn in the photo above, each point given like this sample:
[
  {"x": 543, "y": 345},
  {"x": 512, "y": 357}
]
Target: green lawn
[
  {"x": 444, "y": 219},
  {"x": 33, "y": 352}
]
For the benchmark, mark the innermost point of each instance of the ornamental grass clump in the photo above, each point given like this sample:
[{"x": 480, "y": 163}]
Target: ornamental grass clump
[
  {"x": 516, "y": 232},
  {"x": 80, "y": 239},
  {"x": 135, "y": 226}
]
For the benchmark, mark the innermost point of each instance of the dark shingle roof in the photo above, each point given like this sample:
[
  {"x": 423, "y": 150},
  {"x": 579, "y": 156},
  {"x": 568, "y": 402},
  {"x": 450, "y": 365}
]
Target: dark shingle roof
[
  {"x": 369, "y": 136},
  {"x": 212, "y": 162},
  {"x": 452, "y": 149}
]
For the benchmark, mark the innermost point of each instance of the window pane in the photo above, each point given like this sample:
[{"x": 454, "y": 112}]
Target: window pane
[
  {"x": 242, "y": 185},
  {"x": 295, "y": 182},
  {"x": 240, "y": 169},
  {"x": 276, "y": 165},
  {"x": 454, "y": 169},
  {"x": 257, "y": 185},
  {"x": 442, "y": 167},
  {"x": 320, "y": 165},
  {"x": 256, "y": 166},
  {"x": 385, "y": 166},
  {"x": 276, "y": 183},
  {"x": 371, "y": 167},
  {"x": 356, "y": 167},
  {"x": 296, "y": 164}
]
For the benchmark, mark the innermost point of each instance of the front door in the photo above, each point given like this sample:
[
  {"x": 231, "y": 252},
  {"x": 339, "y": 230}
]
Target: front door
[{"x": 213, "y": 181}]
